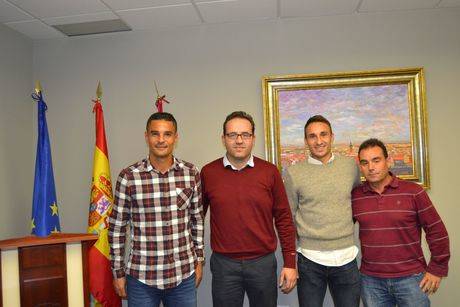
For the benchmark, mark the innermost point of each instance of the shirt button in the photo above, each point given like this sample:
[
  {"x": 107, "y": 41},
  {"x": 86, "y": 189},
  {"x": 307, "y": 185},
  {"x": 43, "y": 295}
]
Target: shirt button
[{"x": 167, "y": 223}]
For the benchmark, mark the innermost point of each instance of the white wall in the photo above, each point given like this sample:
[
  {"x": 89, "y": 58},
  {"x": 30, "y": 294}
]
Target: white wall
[
  {"x": 16, "y": 146},
  {"x": 207, "y": 72}
]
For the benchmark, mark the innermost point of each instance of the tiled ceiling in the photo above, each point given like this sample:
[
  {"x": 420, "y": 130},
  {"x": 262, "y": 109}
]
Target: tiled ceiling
[{"x": 35, "y": 18}]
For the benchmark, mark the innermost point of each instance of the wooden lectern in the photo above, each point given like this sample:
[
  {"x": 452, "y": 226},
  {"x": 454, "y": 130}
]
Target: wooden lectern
[{"x": 45, "y": 271}]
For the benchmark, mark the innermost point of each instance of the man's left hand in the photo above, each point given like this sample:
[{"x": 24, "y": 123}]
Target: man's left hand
[
  {"x": 430, "y": 283},
  {"x": 198, "y": 274},
  {"x": 288, "y": 279}
]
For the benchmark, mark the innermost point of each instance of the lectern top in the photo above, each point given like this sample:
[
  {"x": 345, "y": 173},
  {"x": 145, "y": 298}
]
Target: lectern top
[{"x": 54, "y": 238}]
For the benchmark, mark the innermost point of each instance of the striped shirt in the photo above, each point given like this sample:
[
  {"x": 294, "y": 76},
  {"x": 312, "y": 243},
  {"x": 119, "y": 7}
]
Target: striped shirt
[
  {"x": 390, "y": 230},
  {"x": 165, "y": 216}
]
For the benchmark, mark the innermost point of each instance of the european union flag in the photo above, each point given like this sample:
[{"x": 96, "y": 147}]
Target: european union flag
[{"x": 45, "y": 216}]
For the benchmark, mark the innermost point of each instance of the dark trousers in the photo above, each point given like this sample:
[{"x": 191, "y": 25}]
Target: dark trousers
[
  {"x": 391, "y": 292},
  {"x": 314, "y": 278},
  {"x": 232, "y": 278},
  {"x": 139, "y": 294}
]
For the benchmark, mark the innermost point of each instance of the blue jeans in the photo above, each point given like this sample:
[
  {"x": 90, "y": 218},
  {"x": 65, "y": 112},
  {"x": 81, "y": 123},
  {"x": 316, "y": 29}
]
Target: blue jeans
[
  {"x": 314, "y": 278},
  {"x": 389, "y": 292},
  {"x": 140, "y": 295},
  {"x": 232, "y": 278}
]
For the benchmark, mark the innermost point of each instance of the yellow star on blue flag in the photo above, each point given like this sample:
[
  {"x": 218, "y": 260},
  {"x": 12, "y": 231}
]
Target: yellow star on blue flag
[{"x": 54, "y": 209}]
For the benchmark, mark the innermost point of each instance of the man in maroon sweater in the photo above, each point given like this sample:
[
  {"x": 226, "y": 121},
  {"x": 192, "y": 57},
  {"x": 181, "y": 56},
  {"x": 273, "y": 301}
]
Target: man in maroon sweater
[
  {"x": 391, "y": 213},
  {"x": 246, "y": 195}
]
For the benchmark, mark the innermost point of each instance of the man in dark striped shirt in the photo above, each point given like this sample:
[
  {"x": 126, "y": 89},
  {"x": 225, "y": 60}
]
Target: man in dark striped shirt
[
  {"x": 391, "y": 214},
  {"x": 160, "y": 199}
]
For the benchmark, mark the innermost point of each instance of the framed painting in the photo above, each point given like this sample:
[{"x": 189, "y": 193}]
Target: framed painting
[{"x": 387, "y": 104}]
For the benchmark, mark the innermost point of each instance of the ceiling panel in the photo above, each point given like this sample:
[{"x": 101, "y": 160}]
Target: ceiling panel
[
  {"x": 35, "y": 29},
  {"x": 237, "y": 10},
  {"x": 167, "y": 16},
  {"x": 152, "y": 14},
  {"x": 80, "y": 18},
  {"x": 449, "y": 3},
  {"x": 9, "y": 12},
  {"x": 394, "y": 5},
  {"x": 58, "y": 8},
  {"x": 134, "y": 4},
  {"x": 299, "y": 8}
]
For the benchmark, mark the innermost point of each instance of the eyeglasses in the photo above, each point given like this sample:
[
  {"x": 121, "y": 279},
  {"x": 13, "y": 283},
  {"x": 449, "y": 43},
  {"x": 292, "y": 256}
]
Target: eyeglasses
[{"x": 233, "y": 135}]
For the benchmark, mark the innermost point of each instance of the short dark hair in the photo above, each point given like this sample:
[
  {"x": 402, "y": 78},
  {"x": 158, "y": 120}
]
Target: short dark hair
[
  {"x": 239, "y": 114},
  {"x": 161, "y": 116},
  {"x": 373, "y": 142},
  {"x": 316, "y": 119}
]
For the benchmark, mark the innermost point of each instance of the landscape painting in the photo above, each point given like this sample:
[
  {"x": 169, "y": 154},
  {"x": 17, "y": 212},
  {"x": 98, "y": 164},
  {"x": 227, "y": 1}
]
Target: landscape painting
[
  {"x": 356, "y": 114},
  {"x": 387, "y": 105}
]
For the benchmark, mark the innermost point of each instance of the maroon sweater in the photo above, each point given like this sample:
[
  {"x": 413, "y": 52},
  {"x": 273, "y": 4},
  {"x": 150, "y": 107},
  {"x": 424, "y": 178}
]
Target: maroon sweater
[
  {"x": 243, "y": 206},
  {"x": 390, "y": 230}
]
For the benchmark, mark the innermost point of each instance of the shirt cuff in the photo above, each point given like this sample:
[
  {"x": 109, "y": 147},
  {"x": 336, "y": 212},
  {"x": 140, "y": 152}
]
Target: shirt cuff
[
  {"x": 119, "y": 273},
  {"x": 437, "y": 270},
  {"x": 289, "y": 260},
  {"x": 199, "y": 253}
]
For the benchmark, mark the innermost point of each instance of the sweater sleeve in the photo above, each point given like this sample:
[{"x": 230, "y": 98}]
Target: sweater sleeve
[
  {"x": 204, "y": 195},
  {"x": 435, "y": 233},
  {"x": 283, "y": 221},
  {"x": 291, "y": 193}
]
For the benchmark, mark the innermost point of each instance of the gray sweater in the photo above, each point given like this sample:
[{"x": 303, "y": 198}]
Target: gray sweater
[{"x": 320, "y": 200}]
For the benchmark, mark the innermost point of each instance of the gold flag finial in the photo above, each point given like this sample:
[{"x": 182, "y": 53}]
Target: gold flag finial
[
  {"x": 156, "y": 88},
  {"x": 38, "y": 87},
  {"x": 99, "y": 90}
]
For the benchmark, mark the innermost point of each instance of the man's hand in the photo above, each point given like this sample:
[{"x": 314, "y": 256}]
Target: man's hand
[
  {"x": 120, "y": 286},
  {"x": 288, "y": 279},
  {"x": 198, "y": 274},
  {"x": 430, "y": 283}
]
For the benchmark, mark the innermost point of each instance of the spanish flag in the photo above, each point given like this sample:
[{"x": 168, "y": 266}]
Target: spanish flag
[{"x": 100, "y": 275}]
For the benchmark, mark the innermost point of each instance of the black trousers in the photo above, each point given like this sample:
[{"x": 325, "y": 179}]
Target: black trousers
[
  {"x": 343, "y": 282},
  {"x": 231, "y": 279}
]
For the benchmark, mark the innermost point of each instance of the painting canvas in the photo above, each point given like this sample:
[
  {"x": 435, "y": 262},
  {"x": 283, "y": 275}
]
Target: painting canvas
[{"x": 359, "y": 106}]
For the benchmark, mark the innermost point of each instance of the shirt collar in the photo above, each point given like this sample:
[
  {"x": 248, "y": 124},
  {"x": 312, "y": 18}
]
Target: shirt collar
[
  {"x": 312, "y": 160},
  {"x": 146, "y": 166},
  {"x": 394, "y": 183},
  {"x": 227, "y": 163}
]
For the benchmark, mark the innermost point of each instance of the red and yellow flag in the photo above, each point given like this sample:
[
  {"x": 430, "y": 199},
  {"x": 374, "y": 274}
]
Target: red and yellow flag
[{"x": 100, "y": 275}]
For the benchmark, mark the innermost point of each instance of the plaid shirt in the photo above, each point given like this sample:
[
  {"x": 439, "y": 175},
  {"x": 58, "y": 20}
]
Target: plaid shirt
[{"x": 166, "y": 223}]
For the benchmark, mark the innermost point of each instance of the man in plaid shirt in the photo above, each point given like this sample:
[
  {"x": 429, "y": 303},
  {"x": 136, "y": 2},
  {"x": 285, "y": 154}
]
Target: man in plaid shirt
[{"x": 160, "y": 198}]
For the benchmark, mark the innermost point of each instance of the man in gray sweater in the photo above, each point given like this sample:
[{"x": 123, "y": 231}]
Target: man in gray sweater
[{"x": 319, "y": 192}]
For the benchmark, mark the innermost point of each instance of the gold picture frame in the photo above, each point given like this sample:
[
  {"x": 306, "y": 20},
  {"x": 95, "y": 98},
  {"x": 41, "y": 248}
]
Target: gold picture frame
[{"x": 387, "y": 104}]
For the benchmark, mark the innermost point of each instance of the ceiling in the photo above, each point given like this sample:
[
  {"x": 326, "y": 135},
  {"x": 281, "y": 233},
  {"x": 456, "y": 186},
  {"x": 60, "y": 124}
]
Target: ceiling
[{"x": 35, "y": 18}]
